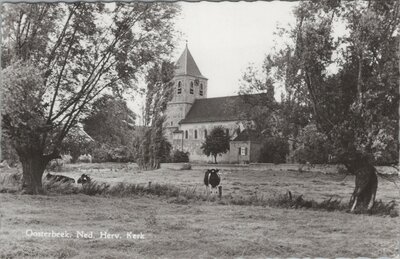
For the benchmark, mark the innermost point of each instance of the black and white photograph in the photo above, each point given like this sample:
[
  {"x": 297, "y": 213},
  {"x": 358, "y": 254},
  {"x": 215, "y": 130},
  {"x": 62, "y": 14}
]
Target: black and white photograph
[{"x": 208, "y": 129}]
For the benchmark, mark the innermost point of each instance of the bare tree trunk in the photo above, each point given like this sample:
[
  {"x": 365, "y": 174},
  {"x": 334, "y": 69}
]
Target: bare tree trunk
[{"x": 33, "y": 166}]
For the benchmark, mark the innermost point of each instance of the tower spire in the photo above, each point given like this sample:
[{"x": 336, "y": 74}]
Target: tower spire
[{"x": 186, "y": 64}]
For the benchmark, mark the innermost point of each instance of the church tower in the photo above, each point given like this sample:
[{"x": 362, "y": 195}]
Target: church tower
[{"x": 189, "y": 85}]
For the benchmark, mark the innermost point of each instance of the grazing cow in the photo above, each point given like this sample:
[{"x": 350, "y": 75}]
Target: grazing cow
[
  {"x": 59, "y": 178},
  {"x": 84, "y": 179},
  {"x": 365, "y": 187},
  {"x": 212, "y": 179}
]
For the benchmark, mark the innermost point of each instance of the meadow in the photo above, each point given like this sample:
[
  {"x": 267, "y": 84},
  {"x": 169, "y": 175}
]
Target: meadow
[{"x": 155, "y": 226}]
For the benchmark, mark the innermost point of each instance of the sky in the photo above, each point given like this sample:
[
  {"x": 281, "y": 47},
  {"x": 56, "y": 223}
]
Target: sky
[{"x": 226, "y": 37}]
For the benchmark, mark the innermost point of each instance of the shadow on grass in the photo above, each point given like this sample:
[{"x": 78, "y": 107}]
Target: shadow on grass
[{"x": 189, "y": 195}]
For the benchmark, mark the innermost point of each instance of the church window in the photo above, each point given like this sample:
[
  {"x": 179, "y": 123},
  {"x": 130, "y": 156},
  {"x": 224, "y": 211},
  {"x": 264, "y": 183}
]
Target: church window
[
  {"x": 191, "y": 88},
  {"x": 205, "y": 133},
  {"x": 186, "y": 134},
  {"x": 201, "y": 92},
  {"x": 227, "y": 132},
  {"x": 243, "y": 151},
  {"x": 179, "y": 87},
  {"x": 195, "y": 134},
  {"x": 171, "y": 123}
]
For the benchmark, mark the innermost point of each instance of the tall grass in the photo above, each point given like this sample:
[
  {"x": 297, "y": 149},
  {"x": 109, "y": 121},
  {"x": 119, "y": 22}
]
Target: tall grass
[{"x": 185, "y": 196}]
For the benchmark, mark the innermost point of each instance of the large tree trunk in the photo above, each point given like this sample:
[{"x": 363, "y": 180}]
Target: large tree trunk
[
  {"x": 366, "y": 183},
  {"x": 33, "y": 166}
]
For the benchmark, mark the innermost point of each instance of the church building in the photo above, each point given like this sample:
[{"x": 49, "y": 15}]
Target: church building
[{"x": 191, "y": 116}]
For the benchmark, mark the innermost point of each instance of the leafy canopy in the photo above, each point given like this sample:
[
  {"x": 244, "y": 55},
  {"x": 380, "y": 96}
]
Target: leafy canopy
[
  {"x": 217, "y": 142},
  {"x": 64, "y": 56},
  {"x": 345, "y": 84}
]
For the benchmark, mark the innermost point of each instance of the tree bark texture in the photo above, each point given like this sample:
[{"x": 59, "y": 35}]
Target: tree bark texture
[{"x": 33, "y": 166}]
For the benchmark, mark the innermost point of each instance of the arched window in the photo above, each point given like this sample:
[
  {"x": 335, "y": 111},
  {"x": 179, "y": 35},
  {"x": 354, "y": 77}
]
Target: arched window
[
  {"x": 191, "y": 88},
  {"x": 201, "y": 92},
  {"x": 179, "y": 87},
  {"x": 195, "y": 134},
  {"x": 186, "y": 134},
  {"x": 227, "y": 132},
  {"x": 205, "y": 133},
  {"x": 171, "y": 123}
]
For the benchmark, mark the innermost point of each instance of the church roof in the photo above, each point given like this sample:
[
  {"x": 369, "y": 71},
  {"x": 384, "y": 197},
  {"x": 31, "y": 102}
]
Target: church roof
[
  {"x": 186, "y": 65},
  {"x": 227, "y": 108},
  {"x": 248, "y": 135}
]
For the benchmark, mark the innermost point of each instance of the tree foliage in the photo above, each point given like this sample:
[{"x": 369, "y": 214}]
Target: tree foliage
[
  {"x": 274, "y": 150},
  {"x": 154, "y": 147},
  {"x": 77, "y": 143},
  {"x": 345, "y": 83},
  {"x": 312, "y": 146},
  {"x": 58, "y": 58},
  {"x": 179, "y": 156},
  {"x": 216, "y": 143},
  {"x": 112, "y": 125},
  {"x": 110, "y": 121},
  {"x": 358, "y": 103}
]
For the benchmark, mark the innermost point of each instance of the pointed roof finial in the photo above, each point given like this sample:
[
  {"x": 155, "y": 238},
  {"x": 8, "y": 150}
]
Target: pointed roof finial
[{"x": 186, "y": 43}]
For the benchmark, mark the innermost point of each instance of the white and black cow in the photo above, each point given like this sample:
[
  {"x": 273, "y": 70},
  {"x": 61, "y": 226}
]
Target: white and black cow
[
  {"x": 84, "y": 179},
  {"x": 59, "y": 178},
  {"x": 212, "y": 180}
]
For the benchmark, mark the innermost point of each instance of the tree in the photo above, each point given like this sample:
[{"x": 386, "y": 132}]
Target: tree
[
  {"x": 312, "y": 147},
  {"x": 359, "y": 102},
  {"x": 217, "y": 142},
  {"x": 58, "y": 58},
  {"x": 274, "y": 150},
  {"x": 348, "y": 83},
  {"x": 154, "y": 147},
  {"x": 111, "y": 124},
  {"x": 110, "y": 121},
  {"x": 77, "y": 142}
]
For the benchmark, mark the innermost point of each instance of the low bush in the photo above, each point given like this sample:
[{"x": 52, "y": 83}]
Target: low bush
[
  {"x": 186, "y": 166},
  {"x": 86, "y": 158},
  {"x": 274, "y": 150},
  {"x": 10, "y": 183},
  {"x": 314, "y": 147},
  {"x": 55, "y": 165},
  {"x": 100, "y": 154},
  {"x": 180, "y": 157}
]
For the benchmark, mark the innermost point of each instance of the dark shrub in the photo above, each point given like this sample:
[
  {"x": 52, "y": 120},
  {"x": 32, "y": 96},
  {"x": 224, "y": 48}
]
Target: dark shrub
[
  {"x": 120, "y": 154},
  {"x": 274, "y": 150},
  {"x": 101, "y": 154},
  {"x": 180, "y": 157},
  {"x": 186, "y": 166},
  {"x": 104, "y": 153}
]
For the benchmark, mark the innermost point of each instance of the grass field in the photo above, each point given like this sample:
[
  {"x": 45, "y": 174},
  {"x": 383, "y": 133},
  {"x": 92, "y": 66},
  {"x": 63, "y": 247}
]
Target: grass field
[{"x": 202, "y": 229}]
